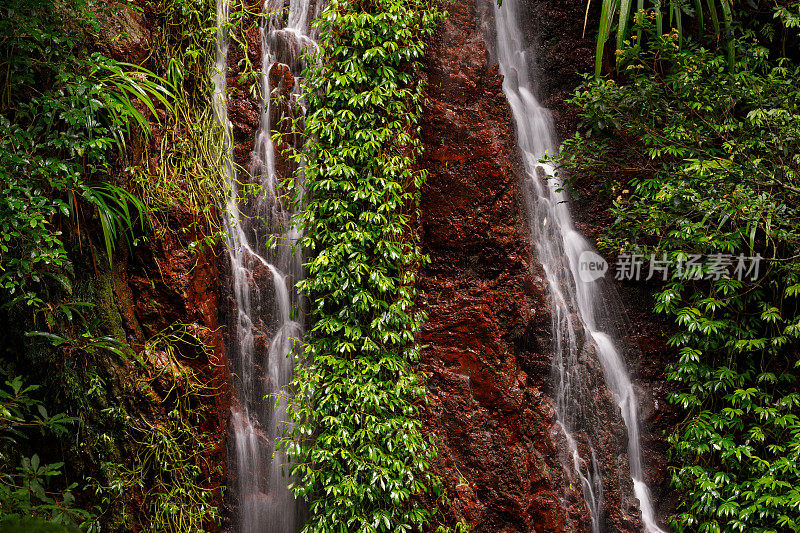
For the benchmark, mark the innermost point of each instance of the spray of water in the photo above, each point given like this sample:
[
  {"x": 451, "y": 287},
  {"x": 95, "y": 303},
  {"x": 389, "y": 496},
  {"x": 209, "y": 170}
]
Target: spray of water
[{"x": 578, "y": 314}]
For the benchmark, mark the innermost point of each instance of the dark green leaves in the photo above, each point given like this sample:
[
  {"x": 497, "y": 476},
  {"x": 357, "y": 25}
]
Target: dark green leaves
[
  {"x": 700, "y": 159},
  {"x": 25, "y": 488}
]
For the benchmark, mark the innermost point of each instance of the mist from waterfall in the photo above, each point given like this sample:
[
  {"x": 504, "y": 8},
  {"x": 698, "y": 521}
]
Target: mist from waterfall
[
  {"x": 265, "y": 265},
  {"x": 580, "y": 319}
]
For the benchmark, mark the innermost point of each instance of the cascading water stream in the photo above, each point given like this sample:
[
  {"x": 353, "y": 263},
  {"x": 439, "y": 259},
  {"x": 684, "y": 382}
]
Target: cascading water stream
[
  {"x": 579, "y": 317},
  {"x": 265, "y": 265}
]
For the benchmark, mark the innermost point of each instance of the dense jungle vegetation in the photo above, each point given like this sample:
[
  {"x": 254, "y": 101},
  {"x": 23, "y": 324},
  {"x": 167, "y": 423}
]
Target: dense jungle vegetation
[
  {"x": 92, "y": 434},
  {"x": 695, "y": 132},
  {"x": 368, "y": 462},
  {"x": 698, "y": 133},
  {"x": 98, "y": 156}
]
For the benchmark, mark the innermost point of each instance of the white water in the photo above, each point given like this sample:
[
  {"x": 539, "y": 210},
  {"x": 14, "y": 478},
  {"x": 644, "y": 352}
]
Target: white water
[
  {"x": 265, "y": 328},
  {"x": 578, "y": 312}
]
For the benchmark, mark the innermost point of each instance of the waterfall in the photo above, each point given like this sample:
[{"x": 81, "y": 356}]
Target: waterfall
[
  {"x": 580, "y": 320},
  {"x": 265, "y": 265}
]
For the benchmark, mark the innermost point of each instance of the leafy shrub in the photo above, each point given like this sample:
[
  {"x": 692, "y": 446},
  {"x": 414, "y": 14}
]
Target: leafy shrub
[
  {"x": 63, "y": 112},
  {"x": 67, "y": 119},
  {"x": 703, "y": 159},
  {"x": 25, "y": 489},
  {"x": 670, "y": 11}
]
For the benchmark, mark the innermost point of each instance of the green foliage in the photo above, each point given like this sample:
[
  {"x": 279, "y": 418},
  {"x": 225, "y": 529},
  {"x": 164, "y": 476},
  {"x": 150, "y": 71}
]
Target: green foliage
[
  {"x": 623, "y": 10},
  {"x": 65, "y": 115},
  {"x": 25, "y": 489},
  {"x": 361, "y": 459},
  {"x": 183, "y": 46},
  {"x": 168, "y": 464},
  {"x": 70, "y": 120},
  {"x": 62, "y": 112},
  {"x": 705, "y": 161},
  {"x": 187, "y": 175},
  {"x": 34, "y": 526},
  {"x": 170, "y": 459},
  {"x": 242, "y": 21},
  {"x": 114, "y": 205},
  {"x": 184, "y": 171}
]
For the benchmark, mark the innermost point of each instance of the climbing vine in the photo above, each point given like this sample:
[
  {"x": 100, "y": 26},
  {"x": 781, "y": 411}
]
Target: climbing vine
[
  {"x": 167, "y": 464},
  {"x": 181, "y": 168},
  {"x": 361, "y": 459}
]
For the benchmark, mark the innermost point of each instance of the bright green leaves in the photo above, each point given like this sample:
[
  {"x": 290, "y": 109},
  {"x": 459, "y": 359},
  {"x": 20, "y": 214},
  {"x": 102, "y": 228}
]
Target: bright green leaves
[{"x": 361, "y": 458}]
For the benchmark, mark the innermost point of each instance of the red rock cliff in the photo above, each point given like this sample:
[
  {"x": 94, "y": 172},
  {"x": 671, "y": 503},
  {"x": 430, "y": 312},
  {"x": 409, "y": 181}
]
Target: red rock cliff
[{"x": 487, "y": 334}]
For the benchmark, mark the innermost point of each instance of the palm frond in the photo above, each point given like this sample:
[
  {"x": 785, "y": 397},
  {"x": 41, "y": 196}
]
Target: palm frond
[
  {"x": 698, "y": 13},
  {"x": 622, "y": 25},
  {"x": 712, "y": 10},
  {"x": 728, "y": 15},
  {"x": 128, "y": 84},
  {"x": 659, "y": 19}
]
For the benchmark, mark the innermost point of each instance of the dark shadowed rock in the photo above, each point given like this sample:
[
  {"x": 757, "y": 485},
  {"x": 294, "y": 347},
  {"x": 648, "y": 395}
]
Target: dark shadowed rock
[{"x": 123, "y": 33}]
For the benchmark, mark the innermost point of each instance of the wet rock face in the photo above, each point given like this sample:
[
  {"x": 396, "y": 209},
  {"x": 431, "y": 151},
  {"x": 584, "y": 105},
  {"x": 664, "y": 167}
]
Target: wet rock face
[
  {"x": 159, "y": 286},
  {"x": 244, "y": 102},
  {"x": 161, "y": 283},
  {"x": 487, "y": 336},
  {"x": 124, "y": 34},
  {"x": 165, "y": 285},
  {"x": 646, "y": 334},
  {"x": 561, "y": 52}
]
